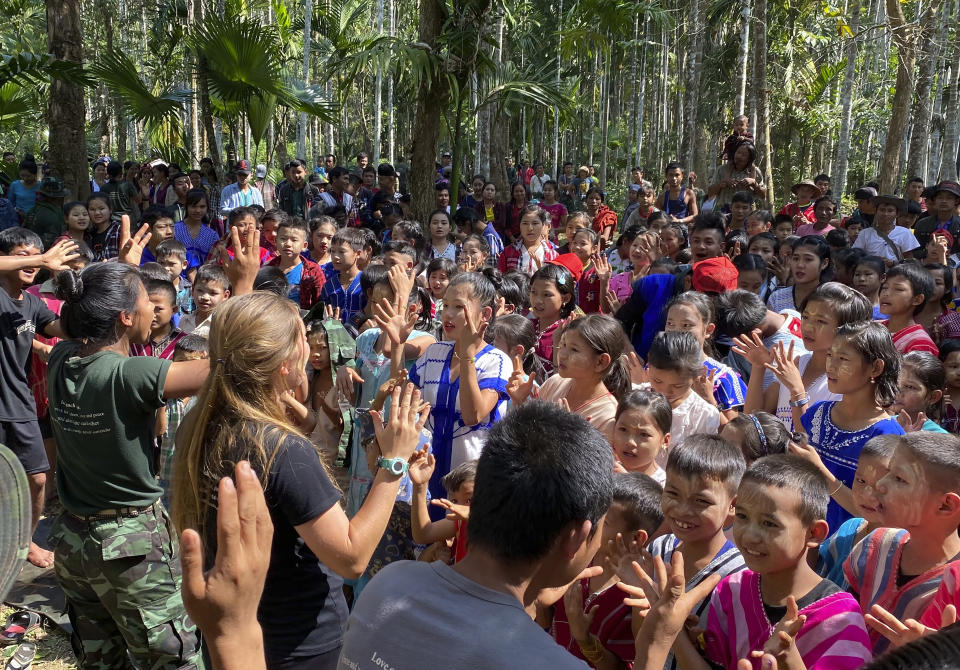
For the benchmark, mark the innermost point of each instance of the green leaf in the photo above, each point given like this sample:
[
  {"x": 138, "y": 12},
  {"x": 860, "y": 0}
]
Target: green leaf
[
  {"x": 35, "y": 69},
  {"x": 119, "y": 74}
]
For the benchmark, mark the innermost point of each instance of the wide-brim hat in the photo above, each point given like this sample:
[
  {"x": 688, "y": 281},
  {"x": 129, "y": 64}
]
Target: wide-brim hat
[
  {"x": 805, "y": 182},
  {"x": 950, "y": 187},
  {"x": 14, "y": 519},
  {"x": 52, "y": 187},
  {"x": 899, "y": 203}
]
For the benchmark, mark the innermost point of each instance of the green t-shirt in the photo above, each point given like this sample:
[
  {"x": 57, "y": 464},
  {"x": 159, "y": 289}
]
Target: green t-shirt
[
  {"x": 103, "y": 408},
  {"x": 296, "y": 201}
]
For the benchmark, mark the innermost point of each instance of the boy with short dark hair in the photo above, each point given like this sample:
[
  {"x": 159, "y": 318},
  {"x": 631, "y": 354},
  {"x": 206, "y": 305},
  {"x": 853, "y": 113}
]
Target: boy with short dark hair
[
  {"x": 399, "y": 252},
  {"x": 164, "y": 334},
  {"x": 161, "y": 230},
  {"x": 782, "y": 226},
  {"x": 172, "y": 256},
  {"x": 741, "y": 204},
  {"x": 707, "y": 237},
  {"x": 21, "y": 316},
  {"x": 779, "y": 605},
  {"x": 211, "y": 286},
  {"x": 342, "y": 289},
  {"x": 900, "y": 568},
  {"x": 305, "y": 278},
  {"x": 907, "y": 287}
]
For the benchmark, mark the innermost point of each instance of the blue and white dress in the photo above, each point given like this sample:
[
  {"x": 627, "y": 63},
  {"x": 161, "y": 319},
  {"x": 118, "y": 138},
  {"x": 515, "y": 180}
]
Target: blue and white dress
[
  {"x": 728, "y": 388},
  {"x": 839, "y": 449},
  {"x": 453, "y": 442}
]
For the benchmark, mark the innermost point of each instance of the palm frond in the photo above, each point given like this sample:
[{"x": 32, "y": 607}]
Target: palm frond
[
  {"x": 119, "y": 74},
  {"x": 34, "y": 69},
  {"x": 15, "y": 104}
]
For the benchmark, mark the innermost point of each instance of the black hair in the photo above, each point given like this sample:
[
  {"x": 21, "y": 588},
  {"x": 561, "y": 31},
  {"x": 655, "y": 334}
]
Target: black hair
[
  {"x": 373, "y": 274},
  {"x": 672, "y": 165},
  {"x": 668, "y": 265},
  {"x": 921, "y": 281},
  {"x": 750, "y": 263},
  {"x": 743, "y": 197},
  {"x": 872, "y": 341},
  {"x": 272, "y": 279},
  {"x": 654, "y": 404},
  {"x": 464, "y": 473},
  {"x": 750, "y": 148},
  {"x": 551, "y": 468},
  {"x": 699, "y": 301},
  {"x": 937, "y": 651},
  {"x": 709, "y": 221},
  {"x": 820, "y": 247},
  {"x": 604, "y": 335},
  {"x": 164, "y": 286},
  {"x": 296, "y": 223},
  {"x": 480, "y": 240},
  {"x": 772, "y": 437},
  {"x": 676, "y": 351},
  {"x": 278, "y": 216},
  {"x": 238, "y": 213},
  {"x": 598, "y": 191},
  {"x": 847, "y": 258},
  {"x": 481, "y": 287},
  {"x": 94, "y": 299},
  {"x": 153, "y": 271},
  {"x": 153, "y": 214},
  {"x": 739, "y": 312},
  {"x": 465, "y": 218},
  {"x": 114, "y": 168},
  {"x": 515, "y": 290},
  {"x": 734, "y": 236},
  {"x": 198, "y": 195},
  {"x": 318, "y": 220},
  {"x": 444, "y": 265},
  {"x": 764, "y": 215},
  {"x": 68, "y": 207},
  {"x": 948, "y": 347},
  {"x": 171, "y": 247},
  {"x": 517, "y": 329},
  {"x": 829, "y": 199},
  {"x": 589, "y": 232},
  {"x": 769, "y": 237},
  {"x": 630, "y": 234},
  {"x": 353, "y": 237},
  {"x": 782, "y": 218},
  {"x": 707, "y": 457},
  {"x": 639, "y": 495},
  {"x": 370, "y": 239},
  {"x": 876, "y": 264},
  {"x": 19, "y": 237},
  {"x": 211, "y": 273},
  {"x": 838, "y": 237},
  {"x": 939, "y": 453},
  {"x": 539, "y": 211},
  {"x": 680, "y": 229},
  {"x": 791, "y": 472},
  {"x": 847, "y": 305},
  {"x": 947, "y": 296},
  {"x": 929, "y": 370},
  {"x": 192, "y": 344},
  {"x": 564, "y": 282},
  {"x": 880, "y": 446}
]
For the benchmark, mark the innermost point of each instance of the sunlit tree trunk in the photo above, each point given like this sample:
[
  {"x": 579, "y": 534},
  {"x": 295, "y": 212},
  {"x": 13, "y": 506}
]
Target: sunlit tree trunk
[
  {"x": 66, "y": 113},
  {"x": 692, "y": 85},
  {"x": 846, "y": 101},
  {"x": 764, "y": 154},
  {"x": 928, "y": 54},
  {"x": 431, "y": 96},
  {"x": 307, "y": 38},
  {"x": 951, "y": 135}
]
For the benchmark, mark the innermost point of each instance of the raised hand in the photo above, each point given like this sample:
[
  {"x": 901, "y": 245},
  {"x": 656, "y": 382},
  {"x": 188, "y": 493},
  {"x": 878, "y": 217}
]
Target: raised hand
[
  {"x": 579, "y": 620},
  {"x": 734, "y": 251},
  {"x": 901, "y": 632},
  {"x": 397, "y": 323},
  {"x": 613, "y": 303},
  {"x": 602, "y": 265},
  {"x": 751, "y": 347},
  {"x": 779, "y": 270},
  {"x": 243, "y": 267},
  {"x": 621, "y": 556},
  {"x": 422, "y": 464},
  {"x": 131, "y": 247},
  {"x": 470, "y": 340},
  {"x": 704, "y": 384},
  {"x": 56, "y": 257},
  {"x": 909, "y": 424},
  {"x": 520, "y": 385},
  {"x": 399, "y": 435},
  {"x": 638, "y": 371},
  {"x": 455, "y": 512},
  {"x": 784, "y": 366},
  {"x": 782, "y": 644},
  {"x": 402, "y": 285},
  {"x": 331, "y": 312},
  {"x": 346, "y": 378}
]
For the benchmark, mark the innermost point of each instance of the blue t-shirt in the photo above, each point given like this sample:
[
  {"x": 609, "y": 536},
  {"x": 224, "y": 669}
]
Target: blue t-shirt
[
  {"x": 23, "y": 197},
  {"x": 293, "y": 279}
]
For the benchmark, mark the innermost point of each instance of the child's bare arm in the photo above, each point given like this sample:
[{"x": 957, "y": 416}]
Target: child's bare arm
[
  {"x": 423, "y": 530},
  {"x": 306, "y": 419}
]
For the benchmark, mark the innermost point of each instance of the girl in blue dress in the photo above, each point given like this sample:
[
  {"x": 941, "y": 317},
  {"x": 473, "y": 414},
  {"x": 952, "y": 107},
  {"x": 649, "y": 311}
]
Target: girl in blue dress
[{"x": 863, "y": 367}]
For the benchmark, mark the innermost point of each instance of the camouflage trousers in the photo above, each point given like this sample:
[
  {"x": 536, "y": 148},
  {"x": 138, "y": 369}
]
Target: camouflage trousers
[{"x": 121, "y": 578}]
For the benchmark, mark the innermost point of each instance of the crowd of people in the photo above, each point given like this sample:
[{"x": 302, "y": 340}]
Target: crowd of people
[{"x": 528, "y": 430}]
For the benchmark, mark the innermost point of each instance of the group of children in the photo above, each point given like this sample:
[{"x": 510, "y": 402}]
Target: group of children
[{"x": 780, "y": 407}]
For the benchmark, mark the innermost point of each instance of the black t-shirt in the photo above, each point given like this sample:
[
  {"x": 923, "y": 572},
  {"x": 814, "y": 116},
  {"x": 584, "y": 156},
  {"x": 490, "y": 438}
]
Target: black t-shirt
[
  {"x": 819, "y": 592},
  {"x": 19, "y": 320},
  {"x": 303, "y": 611}
]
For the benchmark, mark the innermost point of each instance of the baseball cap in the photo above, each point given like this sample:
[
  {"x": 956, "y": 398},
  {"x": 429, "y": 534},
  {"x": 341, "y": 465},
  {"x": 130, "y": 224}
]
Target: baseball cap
[
  {"x": 865, "y": 193},
  {"x": 242, "y": 166},
  {"x": 571, "y": 262},
  {"x": 714, "y": 275},
  {"x": 261, "y": 171}
]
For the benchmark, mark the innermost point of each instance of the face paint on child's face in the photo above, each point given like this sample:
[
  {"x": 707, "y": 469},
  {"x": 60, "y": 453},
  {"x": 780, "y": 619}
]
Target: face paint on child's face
[
  {"x": 672, "y": 384},
  {"x": 912, "y": 395},
  {"x": 576, "y": 359},
  {"x": 637, "y": 440},
  {"x": 897, "y": 297},
  {"x": 847, "y": 370},
  {"x": 767, "y": 528},
  {"x": 696, "y": 508},
  {"x": 870, "y": 469},
  {"x": 343, "y": 257},
  {"x": 685, "y": 318},
  {"x": 818, "y": 325},
  {"x": 905, "y": 493},
  {"x": 582, "y": 246},
  {"x": 207, "y": 295},
  {"x": 866, "y": 280}
]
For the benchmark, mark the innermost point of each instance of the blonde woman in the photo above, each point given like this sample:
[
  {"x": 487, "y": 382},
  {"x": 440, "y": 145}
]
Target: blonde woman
[{"x": 258, "y": 354}]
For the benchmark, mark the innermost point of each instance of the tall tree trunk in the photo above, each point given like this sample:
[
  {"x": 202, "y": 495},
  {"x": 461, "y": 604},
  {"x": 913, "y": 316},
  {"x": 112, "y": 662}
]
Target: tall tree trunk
[
  {"x": 390, "y": 119},
  {"x": 951, "y": 135},
  {"x": 764, "y": 153},
  {"x": 307, "y": 38},
  {"x": 431, "y": 99},
  {"x": 692, "y": 85},
  {"x": 378, "y": 95},
  {"x": 66, "y": 113},
  {"x": 846, "y": 101},
  {"x": 927, "y": 57},
  {"x": 744, "y": 53}
]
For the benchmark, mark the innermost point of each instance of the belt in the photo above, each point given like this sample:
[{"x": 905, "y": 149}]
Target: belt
[{"x": 112, "y": 514}]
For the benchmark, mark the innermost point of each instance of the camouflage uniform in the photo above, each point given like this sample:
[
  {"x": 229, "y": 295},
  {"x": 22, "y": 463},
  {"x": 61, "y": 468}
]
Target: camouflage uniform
[{"x": 121, "y": 576}]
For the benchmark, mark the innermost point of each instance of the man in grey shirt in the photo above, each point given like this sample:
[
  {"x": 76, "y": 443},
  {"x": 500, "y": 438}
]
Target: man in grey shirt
[{"x": 540, "y": 497}]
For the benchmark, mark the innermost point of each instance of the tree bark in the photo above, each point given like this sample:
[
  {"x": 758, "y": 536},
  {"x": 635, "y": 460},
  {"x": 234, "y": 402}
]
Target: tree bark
[
  {"x": 927, "y": 57},
  {"x": 951, "y": 135},
  {"x": 692, "y": 86},
  {"x": 846, "y": 101},
  {"x": 431, "y": 98},
  {"x": 66, "y": 113},
  {"x": 763, "y": 99}
]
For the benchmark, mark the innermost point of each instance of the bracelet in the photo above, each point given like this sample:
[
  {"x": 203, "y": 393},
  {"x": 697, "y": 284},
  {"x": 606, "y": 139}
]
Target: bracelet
[
  {"x": 592, "y": 649},
  {"x": 837, "y": 490},
  {"x": 805, "y": 400}
]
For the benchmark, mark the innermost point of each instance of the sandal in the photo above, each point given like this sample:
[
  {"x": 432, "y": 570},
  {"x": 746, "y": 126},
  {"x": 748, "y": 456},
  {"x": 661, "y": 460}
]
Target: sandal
[
  {"x": 18, "y": 625},
  {"x": 23, "y": 657}
]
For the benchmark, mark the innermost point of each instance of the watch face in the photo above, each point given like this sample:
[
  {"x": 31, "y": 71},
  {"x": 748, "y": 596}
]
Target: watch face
[{"x": 396, "y": 467}]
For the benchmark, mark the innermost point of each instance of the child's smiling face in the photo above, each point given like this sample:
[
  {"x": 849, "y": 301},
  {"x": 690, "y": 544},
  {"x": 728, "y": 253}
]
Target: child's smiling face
[{"x": 768, "y": 530}]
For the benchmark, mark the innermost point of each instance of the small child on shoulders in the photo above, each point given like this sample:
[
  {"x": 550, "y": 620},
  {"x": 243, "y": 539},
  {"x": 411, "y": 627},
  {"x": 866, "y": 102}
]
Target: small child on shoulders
[{"x": 900, "y": 568}]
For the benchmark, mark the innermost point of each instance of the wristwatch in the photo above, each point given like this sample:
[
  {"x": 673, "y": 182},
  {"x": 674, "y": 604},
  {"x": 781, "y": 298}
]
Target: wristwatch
[{"x": 395, "y": 466}]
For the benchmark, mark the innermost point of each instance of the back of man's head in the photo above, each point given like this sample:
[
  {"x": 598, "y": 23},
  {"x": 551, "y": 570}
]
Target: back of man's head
[{"x": 542, "y": 471}]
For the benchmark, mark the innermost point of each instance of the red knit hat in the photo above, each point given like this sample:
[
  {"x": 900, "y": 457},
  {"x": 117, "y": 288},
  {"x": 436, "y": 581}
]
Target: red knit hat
[
  {"x": 571, "y": 262},
  {"x": 715, "y": 275}
]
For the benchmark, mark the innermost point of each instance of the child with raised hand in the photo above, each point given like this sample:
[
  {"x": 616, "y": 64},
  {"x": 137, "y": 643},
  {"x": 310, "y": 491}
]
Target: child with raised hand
[
  {"x": 698, "y": 502},
  {"x": 439, "y": 273},
  {"x": 757, "y": 435},
  {"x": 619, "y": 254},
  {"x": 530, "y": 251},
  {"x": 515, "y": 335},
  {"x": 641, "y": 432},
  {"x": 810, "y": 266},
  {"x": 553, "y": 298},
  {"x": 950, "y": 355},
  {"x": 463, "y": 378},
  {"x": 863, "y": 368},
  {"x": 674, "y": 363},
  {"x": 779, "y": 605},
  {"x": 900, "y": 568},
  {"x": 591, "y": 372},
  {"x": 474, "y": 253},
  {"x": 643, "y": 250},
  {"x": 459, "y": 485},
  {"x": 872, "y": 465},
  {"x": 593, "y": 281},
  {"x": 920, "y": 395},
  {"x": 937, "y": 318},
  {"x": 868, "y": 277},
  {"x": 904, "y": 291},
  {"x": 591, "y": 620},
  {"x": 802, "y": 381},
  {"x": 721, "y": 386}
]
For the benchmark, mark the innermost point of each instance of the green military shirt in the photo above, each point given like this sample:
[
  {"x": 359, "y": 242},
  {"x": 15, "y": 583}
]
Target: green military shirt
[
  {"x": 46, "y": 220},
  {"x": 103, "y": 407}
]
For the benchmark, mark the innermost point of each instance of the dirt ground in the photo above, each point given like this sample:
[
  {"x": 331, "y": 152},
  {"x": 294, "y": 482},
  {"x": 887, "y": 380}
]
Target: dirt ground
[{"x": 53, "y": 647}]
